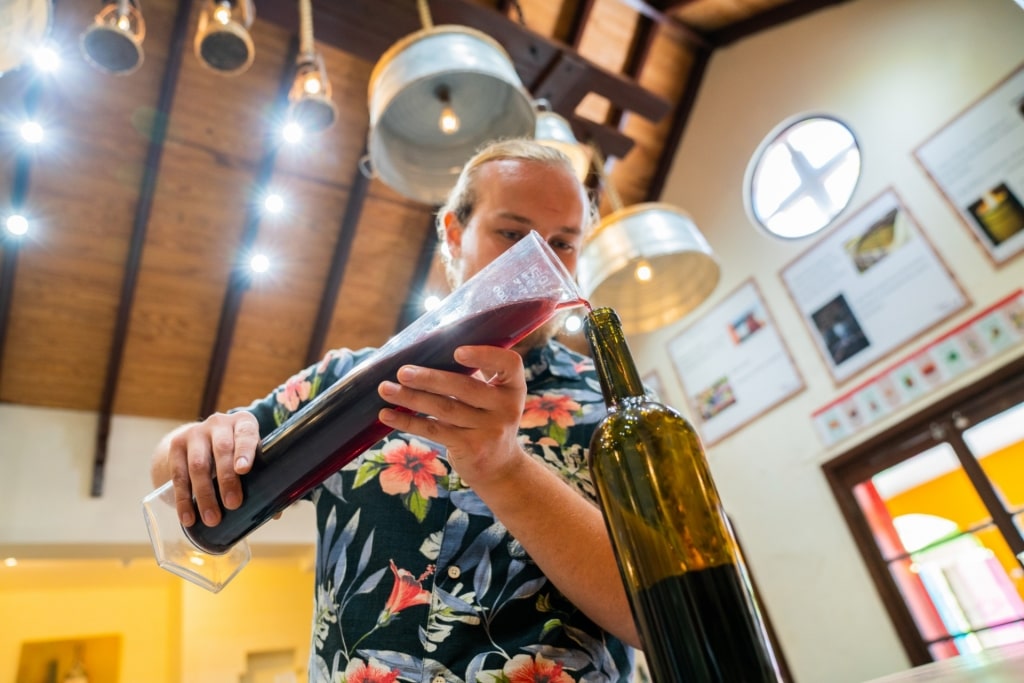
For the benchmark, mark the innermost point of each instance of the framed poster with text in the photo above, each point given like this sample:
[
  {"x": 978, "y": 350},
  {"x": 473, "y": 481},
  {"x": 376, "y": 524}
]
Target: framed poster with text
[
  {"x": 977, "y": 162},
  {"x": 733, "y": 365},
  {"x": 871, "y": 285}
]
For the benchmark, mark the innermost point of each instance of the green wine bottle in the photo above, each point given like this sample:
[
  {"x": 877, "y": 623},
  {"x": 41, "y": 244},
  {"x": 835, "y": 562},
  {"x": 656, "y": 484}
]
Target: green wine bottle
[{"x": 679, "y": 561}]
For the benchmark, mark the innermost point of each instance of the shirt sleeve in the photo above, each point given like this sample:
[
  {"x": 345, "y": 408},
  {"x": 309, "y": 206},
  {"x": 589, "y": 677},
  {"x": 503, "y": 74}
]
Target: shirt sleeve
[{"x": 275, "y": 408}]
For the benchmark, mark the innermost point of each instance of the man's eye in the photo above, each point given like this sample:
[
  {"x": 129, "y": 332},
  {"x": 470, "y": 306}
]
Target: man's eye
[
  {"x": 513, "y": 235},
  {"x": 562, "y": 246}
]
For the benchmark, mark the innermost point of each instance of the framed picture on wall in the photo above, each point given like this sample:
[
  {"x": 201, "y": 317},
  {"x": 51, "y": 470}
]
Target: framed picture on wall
[
  {"x": 733, "y": 364},
  {"x": 977, "y": 162},
  {"x": 871, "y": 285}
]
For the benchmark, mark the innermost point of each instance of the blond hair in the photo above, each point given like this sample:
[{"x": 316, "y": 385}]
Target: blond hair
[{"x": 462, "y": 198}]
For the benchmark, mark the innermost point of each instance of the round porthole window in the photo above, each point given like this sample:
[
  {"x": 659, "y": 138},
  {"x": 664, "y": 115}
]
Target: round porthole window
[{"x": 802, "y": 176}]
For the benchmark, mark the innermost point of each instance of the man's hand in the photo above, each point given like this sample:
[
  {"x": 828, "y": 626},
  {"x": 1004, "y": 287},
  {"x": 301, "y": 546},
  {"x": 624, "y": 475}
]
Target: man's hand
[
  {"x": 475, "y": 417},
  {"x": 222, "y": 446}
]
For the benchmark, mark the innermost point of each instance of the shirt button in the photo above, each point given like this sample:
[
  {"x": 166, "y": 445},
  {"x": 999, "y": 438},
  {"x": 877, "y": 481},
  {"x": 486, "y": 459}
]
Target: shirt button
[
  {"x": 453, "y": 573},
  {"x": 438, "y": 679}
]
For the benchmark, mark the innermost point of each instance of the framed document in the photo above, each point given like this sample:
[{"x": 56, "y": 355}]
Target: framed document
[
  {"x": 977, "y": 162},
  {"x": 733, "y": 365},
  {"x": 871, "y": 285}
]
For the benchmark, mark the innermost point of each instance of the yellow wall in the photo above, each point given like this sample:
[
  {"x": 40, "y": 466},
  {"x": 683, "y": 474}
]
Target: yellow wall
[
  {"x": 144, "y": 615},
  {"x": 170, "y": 631}
]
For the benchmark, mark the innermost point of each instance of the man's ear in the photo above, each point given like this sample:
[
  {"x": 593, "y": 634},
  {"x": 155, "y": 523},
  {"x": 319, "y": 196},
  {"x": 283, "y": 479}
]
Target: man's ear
[{"x": 453, "y": 234}]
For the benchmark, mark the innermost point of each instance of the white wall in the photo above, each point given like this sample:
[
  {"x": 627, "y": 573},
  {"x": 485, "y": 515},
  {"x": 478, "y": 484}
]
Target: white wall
[
  {"x": 895, "y": 71},
  {"x": 46, "y": 509}
]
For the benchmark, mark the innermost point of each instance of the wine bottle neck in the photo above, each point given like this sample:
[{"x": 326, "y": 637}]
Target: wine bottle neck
[{"x": 614, "y": 363}]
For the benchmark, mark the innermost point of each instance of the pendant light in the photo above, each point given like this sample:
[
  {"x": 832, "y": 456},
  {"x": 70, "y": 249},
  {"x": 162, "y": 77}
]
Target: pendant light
[
  {"x": 309, "y": 101},
  {"x": 113, "y": 43},
  {"x": 647, "y": 261},
  {"x": 435, "y": 97},
  {"x": 555, "y": 131},
  {"x": 222, "y": 41}
]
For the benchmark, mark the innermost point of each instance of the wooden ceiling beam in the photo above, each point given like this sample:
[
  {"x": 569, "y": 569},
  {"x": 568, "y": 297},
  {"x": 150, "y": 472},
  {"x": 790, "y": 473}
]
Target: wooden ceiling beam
[
  {"x": 240, "y": 278},
  {"x": 140, "y": 223},
  {"x": 412, "y": 309},
  {"x": 10, "y": 244},
  {"x": 339, "y": 261},
  {"x": 684, "y": 108}
]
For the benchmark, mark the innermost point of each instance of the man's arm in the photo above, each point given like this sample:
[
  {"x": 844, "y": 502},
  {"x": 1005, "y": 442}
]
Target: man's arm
[{"x": 478, "y": 422}]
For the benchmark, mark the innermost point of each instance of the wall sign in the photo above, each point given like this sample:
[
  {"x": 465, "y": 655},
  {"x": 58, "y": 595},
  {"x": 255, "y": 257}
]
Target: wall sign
[
  {"x": 733, "y": 365},
  {"x": 871, "y": 285},
  {"x": 977, "y": 162},
  {"x": 994, "y": 330}
]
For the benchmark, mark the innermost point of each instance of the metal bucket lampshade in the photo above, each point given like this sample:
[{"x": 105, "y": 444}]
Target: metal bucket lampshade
[
  {"x": 222, "y": 42},
  {"x": 435, "y": 97},
  {"x": 24, "y": 26},
  {"x": 650, "y": 263},
  {"x": 113, "y": 42}
]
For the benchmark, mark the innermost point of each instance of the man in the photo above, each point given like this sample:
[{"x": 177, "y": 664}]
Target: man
[{"x": 466, "y": 545}]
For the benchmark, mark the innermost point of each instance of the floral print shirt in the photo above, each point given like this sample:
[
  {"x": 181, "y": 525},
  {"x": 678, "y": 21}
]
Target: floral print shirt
[{"x": 416, "y": 580}]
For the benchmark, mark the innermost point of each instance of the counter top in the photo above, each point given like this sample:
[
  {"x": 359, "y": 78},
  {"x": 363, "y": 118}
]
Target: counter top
[{"x": 1004, "y": 664}]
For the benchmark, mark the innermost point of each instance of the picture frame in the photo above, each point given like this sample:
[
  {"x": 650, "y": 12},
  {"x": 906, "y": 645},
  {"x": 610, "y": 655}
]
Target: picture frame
[
  {"x": 975, "y": 162},
  {"x": 733, "y": 364},
  {"x": 871, "y": 285}
]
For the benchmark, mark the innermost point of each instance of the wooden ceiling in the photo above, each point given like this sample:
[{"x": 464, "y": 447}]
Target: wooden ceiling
[{"x": 131, "y": 295}]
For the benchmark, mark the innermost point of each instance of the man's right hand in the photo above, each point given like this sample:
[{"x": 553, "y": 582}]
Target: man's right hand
[{"x": 223, "y": 447}]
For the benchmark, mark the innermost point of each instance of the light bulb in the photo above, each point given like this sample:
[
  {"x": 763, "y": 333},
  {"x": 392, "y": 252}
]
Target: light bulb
[
  {"x": 312, "y": 85},
  {"x": 431, "y": 302},
  {"x": 449, "y": 122},
  {"x": 259, "y": 263},
  {"x": 17, "y": 224},
  {"x": 292, "y": 132},
  {"x": 124, "y": 23},
  {"x": 31, "y": 132},
  {"x": 223, "y": 13},
  {"x": 273, "y": 203},
  {"x": 11, "y": 562},
  {"x": 643, "y": 272},
  {"x": 46, "y": 59},
  {"x": 573, "y": 323}
]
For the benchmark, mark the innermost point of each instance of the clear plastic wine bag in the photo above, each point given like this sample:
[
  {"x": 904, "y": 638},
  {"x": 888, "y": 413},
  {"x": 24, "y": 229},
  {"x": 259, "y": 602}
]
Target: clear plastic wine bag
[{"x": 508, "y": 299}]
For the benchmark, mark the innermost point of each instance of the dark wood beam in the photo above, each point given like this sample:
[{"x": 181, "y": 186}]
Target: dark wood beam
[
  {"x": 636, "y": 57},
  {"x": 682, "y": 116},
  {"x": 578, "y": 23},
  {"x": 10, "y": 244},
  {"x": 240, "y": 277},
  {"x": 768, "y": 19},
  {"x": 140, "y": 223},
  {"x": 339, "y": 261},
  {"x": 413, "y": 307}
]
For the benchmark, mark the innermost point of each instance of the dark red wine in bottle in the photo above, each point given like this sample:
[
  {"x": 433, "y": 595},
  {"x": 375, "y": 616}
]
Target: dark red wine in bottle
[
  {"x": 339, "y": 424},
  {"x": 680, "y": 563}
]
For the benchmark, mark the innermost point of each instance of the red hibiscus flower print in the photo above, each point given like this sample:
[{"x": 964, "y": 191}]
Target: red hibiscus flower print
[
  {"x": 359, "y": 671},
  {"x": 407, "y": 592},
  {"x": 410, "y": 465},
  {"x": 526, "y": 669},
  {"x": 540, "y": 410},
  {"x": 294, "y": 391}
]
